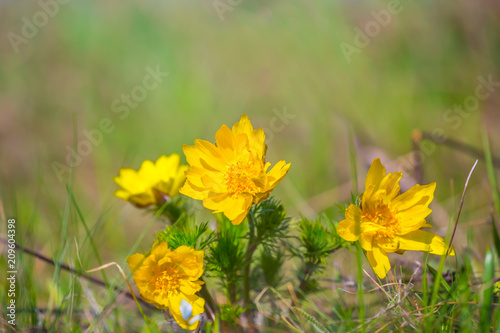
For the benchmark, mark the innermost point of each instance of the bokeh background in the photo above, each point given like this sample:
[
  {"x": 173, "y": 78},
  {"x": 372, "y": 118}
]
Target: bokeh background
[{"x": 63, "y": 66}]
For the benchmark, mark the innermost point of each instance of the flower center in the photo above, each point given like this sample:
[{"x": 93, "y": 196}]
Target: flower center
[
  {"x": 167, "y": 281},
  {"x": 239, "y": 176},
  {"x": 381, "y": 222}
]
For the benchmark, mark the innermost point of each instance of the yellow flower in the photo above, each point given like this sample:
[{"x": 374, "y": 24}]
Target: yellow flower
[
  {"x": 169, "y": 280},
  {"x": 232, "y": 175},
  {"x": 153, "y": 183},
  {"x": 387, "y": 221}
]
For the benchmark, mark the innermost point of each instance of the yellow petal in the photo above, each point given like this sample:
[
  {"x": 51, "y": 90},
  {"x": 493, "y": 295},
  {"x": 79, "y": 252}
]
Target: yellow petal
[
  {"x": 224, "y": 139},
  {"x": 424, "y": 241},
  {"x": 167, "y": 165},
  {"x": 191, "y": 155},
  {"x": 349, "y": 229},
  {"x": 121, "y": 194},
  {"x": 139, "y": 266},
  {"x": 142, "y": 199},
  {"x": 147, "y": 173},
  {"x": 171, "y": 173},
  {"x": 160, "y": 301},
  {"x": 256, "y": 139},
  {"x": 277, "y": 173},
  {"x": 160, "y": 254},
  {"x": 235, "y": 207},
  {"x": 417, "y": 212},
  {"x": 375, "y": 174},
  {"x": 259, "y": 197},
  {"x": 218, "y": 202},
  {"x": 366, "y": 241},
  {"x": 155, "y": 245},
  {"x": 241, "y": 206},
  {"x": 129, "y": 180},
  {"x": 196, "y": 305},
  {"x": 204, "y": 155},
  {"x": 257, "y": 142},
  {"x": 178, "y": 181},
  {"x": 390, "y": 183},
  {"x": 411, "y": 223},
  {"x": 210, "y": 156},
  {"x": 190, "y": 287},
  {"x": 242, "y": 144},
  {"x": 418, "y": 195},
  {"x": 388, "y": 245},
  {"x": 241, "y": 217},
  {"x": 367, "y": 197},
  {"x": 134, "y": 261},
  {"x": 189, "y": 260},
  {"x": 215, "y": 182},
  {"x": 243, "y": 126},
  {"x": 379, "y": 261},
  {"x": 413, "y": 207},
  {"x": 193, "y": 191},
  {"x": 194, "y": 174}
]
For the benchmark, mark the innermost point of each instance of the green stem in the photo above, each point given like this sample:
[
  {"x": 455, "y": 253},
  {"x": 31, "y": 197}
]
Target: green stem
[
  {"x": 231, "y": 287},
  {"x": 361, "y": 304},
  {"x": 209, "y": 301},
  {"x": 439, "y": 273},
  {"x": 307, "y": 275},
  {"x": 252, "y": 246},
  {"x": 425, "y": 282}
]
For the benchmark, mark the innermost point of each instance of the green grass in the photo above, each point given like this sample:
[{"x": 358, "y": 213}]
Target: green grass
[{"x": 265, "y": 56}]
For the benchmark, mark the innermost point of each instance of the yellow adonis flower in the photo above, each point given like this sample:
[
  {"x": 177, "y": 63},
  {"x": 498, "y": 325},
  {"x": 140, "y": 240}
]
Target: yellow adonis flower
[
  {"x": 231, "y": 175},
  {"x": 387, "y": 221},
  {"x": 170, "y": 279},
  {"x": 153, "y": 183}
]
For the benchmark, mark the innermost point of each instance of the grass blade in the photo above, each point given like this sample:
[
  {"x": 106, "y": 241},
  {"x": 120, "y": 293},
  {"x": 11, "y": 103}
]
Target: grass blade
[{"x": 487, "y": 299}]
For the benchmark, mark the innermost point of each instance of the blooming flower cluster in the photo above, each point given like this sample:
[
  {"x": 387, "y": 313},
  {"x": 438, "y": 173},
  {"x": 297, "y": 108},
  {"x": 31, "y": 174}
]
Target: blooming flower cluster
[
  {"x": 153, "y": 183},
  {"x": 170, "y": 279},
  {"x": 386, "y": 221},
  {"x": 230, "y": 177}
]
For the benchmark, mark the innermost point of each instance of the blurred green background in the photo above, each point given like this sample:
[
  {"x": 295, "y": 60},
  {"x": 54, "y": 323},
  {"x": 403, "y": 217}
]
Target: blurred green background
[{"x": 281, "y": 62}]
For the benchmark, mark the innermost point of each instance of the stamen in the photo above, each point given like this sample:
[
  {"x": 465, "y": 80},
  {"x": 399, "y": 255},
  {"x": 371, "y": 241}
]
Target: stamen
[
  {"x": 167, "y": 281},
  {"x": 239, "y": 176},
  {"x": 381, "y": 222}
]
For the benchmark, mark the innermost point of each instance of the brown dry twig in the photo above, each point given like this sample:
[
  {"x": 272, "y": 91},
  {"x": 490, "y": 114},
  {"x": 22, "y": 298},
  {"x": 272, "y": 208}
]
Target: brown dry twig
[{"x": 461, "y": 205}]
